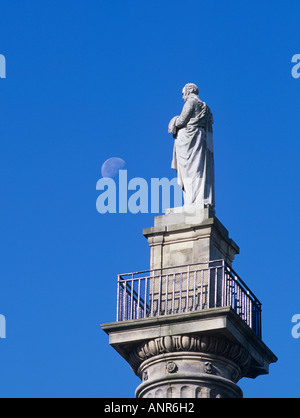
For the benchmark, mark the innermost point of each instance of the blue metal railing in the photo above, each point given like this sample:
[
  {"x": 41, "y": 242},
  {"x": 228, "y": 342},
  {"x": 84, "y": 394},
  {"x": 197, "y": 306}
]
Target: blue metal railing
[{"x": 187, "y": 288}]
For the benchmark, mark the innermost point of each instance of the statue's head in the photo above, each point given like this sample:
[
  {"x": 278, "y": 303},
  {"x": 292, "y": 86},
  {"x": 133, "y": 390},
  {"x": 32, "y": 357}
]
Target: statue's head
[{"x": 188, "y": 89}]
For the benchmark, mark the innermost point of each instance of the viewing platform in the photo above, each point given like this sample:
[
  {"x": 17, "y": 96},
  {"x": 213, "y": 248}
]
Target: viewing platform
[
  {"x": 188, "y": 288},
  {"x": 189, "y": 326}
]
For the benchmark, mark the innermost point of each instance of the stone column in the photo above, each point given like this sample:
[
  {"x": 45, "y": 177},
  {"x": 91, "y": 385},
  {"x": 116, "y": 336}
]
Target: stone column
[{"x": 183, "y": 366}]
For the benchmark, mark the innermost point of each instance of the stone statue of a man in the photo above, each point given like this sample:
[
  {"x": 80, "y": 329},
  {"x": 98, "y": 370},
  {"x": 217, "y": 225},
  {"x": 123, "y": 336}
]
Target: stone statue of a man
[{"x": 193, "y": 157}]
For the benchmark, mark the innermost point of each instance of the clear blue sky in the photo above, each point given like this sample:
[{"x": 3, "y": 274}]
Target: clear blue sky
[{"x": 89, "y": 80}]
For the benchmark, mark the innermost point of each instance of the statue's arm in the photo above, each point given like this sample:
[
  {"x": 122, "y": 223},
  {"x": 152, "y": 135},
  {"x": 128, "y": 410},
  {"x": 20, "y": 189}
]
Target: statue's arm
[{"x": 186, "y": 114}]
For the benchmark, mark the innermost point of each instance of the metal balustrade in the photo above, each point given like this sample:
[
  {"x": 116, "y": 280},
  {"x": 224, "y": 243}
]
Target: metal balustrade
[{"x": 189, "y": 288}]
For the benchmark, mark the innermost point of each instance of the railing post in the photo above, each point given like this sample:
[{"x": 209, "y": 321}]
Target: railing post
[
  {"x": 166, "y": 299},
  {"x": 208, "y": 288},
  {"x": 118, "y": 298},
  {"x": 223, "y": 285},
  {"x": 145, "y": 298},
  {"x": 139, "y": 297},
  {"x": 173, "y": 292},
  {"x": 152, "y": 297},
  {"x": 194, "y": 290},
  {"x": 227, "y": 288},
  {"x": 216, "y": 287},
  {"x": 187, "y": 289},
  {"x": 180, "y": 292},
  {"x": 124, "y": 300},
  {"x": 159, "y": 295},
  {"x": 247, "y": 308},
  {"x": 131, "y": 296},
  {"x": 201, "y": 294}
]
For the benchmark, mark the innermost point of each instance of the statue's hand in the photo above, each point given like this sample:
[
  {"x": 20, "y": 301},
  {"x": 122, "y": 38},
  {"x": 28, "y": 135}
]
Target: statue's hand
[{"x": 172, "y": 129}]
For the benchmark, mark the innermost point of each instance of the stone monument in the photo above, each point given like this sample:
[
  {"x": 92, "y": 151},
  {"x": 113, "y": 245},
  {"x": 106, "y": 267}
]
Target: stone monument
[
  {"x": 193, "y": 157},
  {"x": 190, "y": 327}
]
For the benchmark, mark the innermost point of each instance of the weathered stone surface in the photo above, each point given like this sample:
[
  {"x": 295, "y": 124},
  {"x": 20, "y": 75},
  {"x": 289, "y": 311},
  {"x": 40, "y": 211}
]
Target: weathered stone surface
[
  {"x": 193, "y": 154},
  {"x": 188, "y": 375},
  {"x": 204, "y": 344},
  {"x": 212, "y": 349},
  {"x": 185, "y": 238},
  {"x": 189, "y": 366}
]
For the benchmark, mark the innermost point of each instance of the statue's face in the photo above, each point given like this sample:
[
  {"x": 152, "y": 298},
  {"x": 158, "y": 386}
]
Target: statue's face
[{"x": 184, "y": 94}]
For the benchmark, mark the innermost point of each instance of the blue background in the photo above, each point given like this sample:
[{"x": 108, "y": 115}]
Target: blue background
[{"x": 90, "y": 80}]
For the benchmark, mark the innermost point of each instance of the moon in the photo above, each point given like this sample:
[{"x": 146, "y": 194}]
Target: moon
[{"x": 110, "y": 168}]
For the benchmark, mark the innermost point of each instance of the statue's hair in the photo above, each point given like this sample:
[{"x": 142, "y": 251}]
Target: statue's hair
[{"x": 191, "y": 88}]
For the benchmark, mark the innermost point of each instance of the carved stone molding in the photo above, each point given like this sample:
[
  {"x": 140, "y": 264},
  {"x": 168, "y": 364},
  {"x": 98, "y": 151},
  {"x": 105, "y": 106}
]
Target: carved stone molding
[
  {"x": 184, "y": 343},
  {"x": 171, "y": 367},
  {"x": 189, "y": 374}
]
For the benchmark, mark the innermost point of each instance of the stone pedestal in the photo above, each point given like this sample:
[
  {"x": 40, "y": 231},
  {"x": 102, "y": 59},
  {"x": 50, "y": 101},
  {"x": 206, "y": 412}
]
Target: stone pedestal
[{"x": 188, "y": 237}]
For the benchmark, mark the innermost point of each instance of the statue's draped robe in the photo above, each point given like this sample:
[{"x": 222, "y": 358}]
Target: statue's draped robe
[{"x": 193, "y": 157}]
